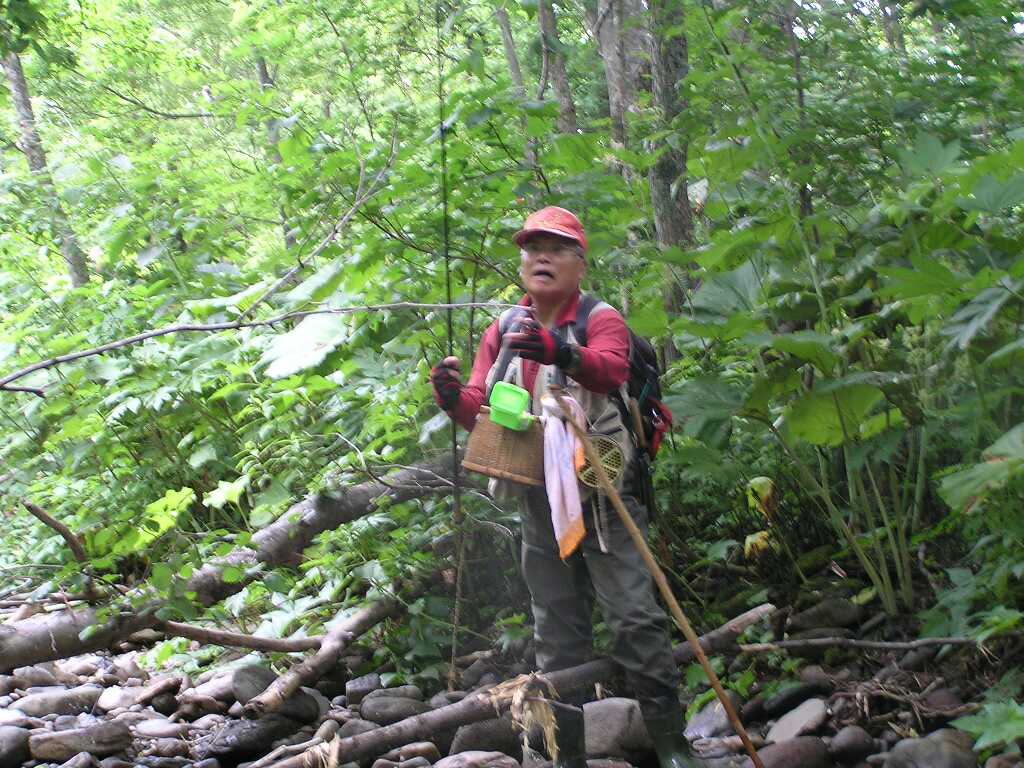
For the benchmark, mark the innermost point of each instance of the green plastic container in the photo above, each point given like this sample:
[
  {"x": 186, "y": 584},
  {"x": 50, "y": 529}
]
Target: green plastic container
[{"x": 509, "y": 405}]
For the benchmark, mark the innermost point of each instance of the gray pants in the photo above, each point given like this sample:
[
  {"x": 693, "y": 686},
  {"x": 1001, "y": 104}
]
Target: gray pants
[{"x": 563, "y": 598}]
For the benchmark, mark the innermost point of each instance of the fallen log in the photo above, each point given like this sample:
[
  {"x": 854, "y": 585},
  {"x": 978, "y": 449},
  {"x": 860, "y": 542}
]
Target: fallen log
[
  {"x": 59, "y": 635},
  {"x": 320, "y": 663},
  {"x": 478, "y": 706}
]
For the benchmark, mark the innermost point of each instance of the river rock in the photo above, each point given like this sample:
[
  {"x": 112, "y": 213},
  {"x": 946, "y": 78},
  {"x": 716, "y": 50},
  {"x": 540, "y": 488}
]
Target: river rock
[
  {"x": 390, "y": 709},
  {"x": 246, "y": 738},
  {"x": 1003, "y": 761},
  {"x": 208, "y": 722},
  {"x": 498, "y": 735},
  {"x": 477, "y": 760},
  {"x": 155, "y": 728},
  {"x": 13, "y": 746},
  {"x": 471, "y": 675},
  {"x": 107, "y": 738},
  {"x": 830, "y": 612},
  {"x": 59, "y": 700},
  {"x": 250, "y": 681},
  {"x": 851, "y": 744},
  {"x": 614, "y": 728},
  {"x": 81, "y": 760},
  {"x": 357, "y": 688},
  {"x": 398, "y": 692},
  {"x": 167, "y": 748},
  {"x": 355, "y": 727},
  {"x": 805, "y": 719},
  {"x": 425, "y": 749},
  {"x": 8, "y": 684},
  {"x": 804, "y": 752},
  {"x": 942, "y": 749},
  {"x": 17, "y": 719},
  {"x": 790, "y": 697},
  {"x": 33, "y": 676},
  {"x": 712, "y": 719},
  {"x": 115, "y": 762},
  {"x": 444, "y": 698},
  {"x": 415, "y": 762},
  {"x": 82, "y": 666}
]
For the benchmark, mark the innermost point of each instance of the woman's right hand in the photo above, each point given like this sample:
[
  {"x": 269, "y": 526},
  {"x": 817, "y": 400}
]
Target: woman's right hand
[{"x": 446, "y": 377}]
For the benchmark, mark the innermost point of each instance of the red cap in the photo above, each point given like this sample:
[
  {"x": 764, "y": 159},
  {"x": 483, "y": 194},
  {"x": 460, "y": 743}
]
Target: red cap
[{"x": 553, "y": 221}]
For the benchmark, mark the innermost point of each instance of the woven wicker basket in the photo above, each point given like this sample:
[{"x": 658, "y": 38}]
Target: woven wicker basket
[{"x": 506, "y": 454}]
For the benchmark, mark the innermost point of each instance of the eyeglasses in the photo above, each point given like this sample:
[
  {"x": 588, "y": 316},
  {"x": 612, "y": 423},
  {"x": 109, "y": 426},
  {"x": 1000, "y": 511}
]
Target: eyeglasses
[{"x": 533, "y": 249}]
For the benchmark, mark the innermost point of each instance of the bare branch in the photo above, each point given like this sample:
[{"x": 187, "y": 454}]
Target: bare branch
[
  {"x": 847, "y": 642},
  {"x": 158, "y": 112},
  {"x": 217, "y": 327},
  {"x": 238, "y": 639},
  {"x": 74, "y": 544}
]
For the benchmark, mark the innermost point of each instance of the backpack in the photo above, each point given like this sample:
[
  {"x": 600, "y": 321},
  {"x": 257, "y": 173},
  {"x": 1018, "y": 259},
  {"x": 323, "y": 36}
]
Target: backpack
[{"x": 642, "y": 385}]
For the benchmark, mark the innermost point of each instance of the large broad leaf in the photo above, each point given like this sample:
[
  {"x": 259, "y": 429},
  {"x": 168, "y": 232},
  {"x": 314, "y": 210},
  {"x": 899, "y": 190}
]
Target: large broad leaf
[
  {"x": 928, "y": 277},
  {"x": 930, "y": 156},
  {"x": 998, "y": 723},
  {"x": 992, "y": 196},
  {"x": 814, "y": 348},
  {"x": 705, "y": 408},
  {"x": 1001, "y": 462},
  {"x": 304, "y": 346},
  {"x": 723, "y": 306},
  {"x": 318, "y": 286},
  {"x": 974, "y": 317},
  {"x": 824, "y": 417}
]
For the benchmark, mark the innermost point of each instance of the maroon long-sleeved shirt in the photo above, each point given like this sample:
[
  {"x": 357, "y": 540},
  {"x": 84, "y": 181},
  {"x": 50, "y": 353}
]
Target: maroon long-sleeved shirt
[{"x": 604, "y": 362}]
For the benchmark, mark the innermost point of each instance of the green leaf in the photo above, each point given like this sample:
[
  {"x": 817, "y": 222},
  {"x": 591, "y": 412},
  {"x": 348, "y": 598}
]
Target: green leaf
[
  {"x": 648, "y": 320},
  {"x": 226, "y": 493},
  {"x": 1000, "y": 723},
  {"x": 831, "y": 417},
  {"x": 318, "y": 286},
  {"x": 705, "y": 407},
  {"x": 1001, "y": 462},
  {"x": 815, "y": 348},
  {"x": 929, "y": 157},
  {"x": 305, "y": 346},
  {"x": 927, "y": 278},
  {"x": 992, "y": 196},
  {"x": 975, "y": 316},
  {"x": 204, "y": 454}
]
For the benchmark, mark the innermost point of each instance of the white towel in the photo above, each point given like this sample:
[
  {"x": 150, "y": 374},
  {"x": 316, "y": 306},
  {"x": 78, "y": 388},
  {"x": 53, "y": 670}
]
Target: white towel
[{"x": 560, "y": 448}]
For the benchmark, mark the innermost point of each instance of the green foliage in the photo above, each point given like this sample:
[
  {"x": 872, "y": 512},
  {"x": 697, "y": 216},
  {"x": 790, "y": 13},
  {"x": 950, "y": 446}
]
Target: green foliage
[{"x": 996, "y": 724}]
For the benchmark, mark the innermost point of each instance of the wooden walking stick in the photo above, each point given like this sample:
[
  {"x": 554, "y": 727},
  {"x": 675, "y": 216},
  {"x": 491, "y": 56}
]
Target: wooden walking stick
[{"x": 659, "y": 578}]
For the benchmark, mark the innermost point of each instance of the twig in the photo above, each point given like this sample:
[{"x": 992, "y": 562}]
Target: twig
[
  {"x": 361, "y": 197},
  {"x": 66, "y": 533},
  {"x": 238, "y": 639},
  {"x": 847, "y": 642},
  {"x": 158, "y": 112},
  {"x": 217, "y": 327}
]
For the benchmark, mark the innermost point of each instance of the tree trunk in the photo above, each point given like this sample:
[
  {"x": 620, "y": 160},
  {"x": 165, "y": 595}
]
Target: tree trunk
[
  {"x": 32, "y": 146},
  {"x": 57, "y": 635},
  {"x": 606, "y": 19},
  {"x": 673, "y": 218},
  {"x": 556, "y": 66},
  {"x": 273, "y": 137},
  {"x": 516, "y": 73},
  {"x": 478, "y": 706},
  {"x": 892, "y": 22}
]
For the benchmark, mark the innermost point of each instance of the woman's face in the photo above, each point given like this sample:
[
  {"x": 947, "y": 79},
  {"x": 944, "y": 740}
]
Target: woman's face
[{"x": 551, "y": 266}]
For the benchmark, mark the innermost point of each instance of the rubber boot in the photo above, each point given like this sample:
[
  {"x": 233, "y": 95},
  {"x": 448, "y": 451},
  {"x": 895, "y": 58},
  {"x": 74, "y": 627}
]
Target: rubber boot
[
  {"x": 570, "y": 737},
  {"x": 670, "y": 743}
]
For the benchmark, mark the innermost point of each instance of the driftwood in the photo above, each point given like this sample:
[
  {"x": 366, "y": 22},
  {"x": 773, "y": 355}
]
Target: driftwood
[
  {"x": 238, "y": 639},
  {"x": 478, "y": 706},
  {"x": 320, "y": 663},
  {"x": 56, "y": 636}
]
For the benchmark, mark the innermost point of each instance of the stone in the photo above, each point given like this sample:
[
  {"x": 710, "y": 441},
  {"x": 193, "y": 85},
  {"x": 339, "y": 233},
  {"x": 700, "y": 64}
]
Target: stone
[
  {"x": 851, "y": 744},
  {"x": 250, "y": 681},
  {"x": 477, "y": 760},
  {"x": 383, "y": 762},
  {"x": 13, "y": 746},
  {"x": 8, "y": 684},
  {"x": 59, "y": 700},
  {"x": 154, "y": 761},
  {"x": 803, "y": 752},
  {"x": 415, "y": 762},
  {"x": 357, "y": 688},
  {"x": 818, "y": 677},
  {"x": 830, "y": 612},
  {"x": 1003, "y": 761},
  {"x": 724, "y": 746},
  {"x": 941, "y": 701},
  {"x": 400, "y": 692},
  {"x": 208, "y": 722},
  {"x": 210, "y": 762},
  {"x": 355, "y": 727},
  {"x": 162, "y": 729},
  {"x": 245, "y": 738},
  {"x": 425, "y": 749},
  {"x": 497, "y": 735},
  {"x": 390, "y": 709},
  {"x": 82, "y": 666},
  {"x": 614, "y": 727},
  {"x": 33, "y": 676},
  {"x": 805, "y": 719},
  {"x": 790, "y": 697},
  {"x": 444, "y": 698},
  {"x": 712, "y": 719},
  {"x": 942, "y": 749},
  {"x": 15, "y": 718},
  {"x": 167, "y": 748},
  {"x": 81, "y": 760},
  {"x": 114, "y": 698},
  {"x": 115, "y": 762},
  {"x": 106, "y": 738},
  {"x": 470, "y": 677}
]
